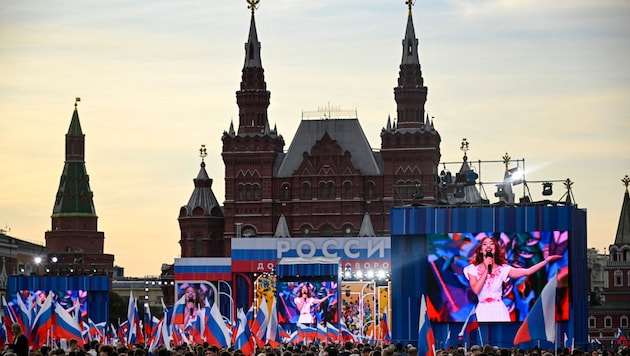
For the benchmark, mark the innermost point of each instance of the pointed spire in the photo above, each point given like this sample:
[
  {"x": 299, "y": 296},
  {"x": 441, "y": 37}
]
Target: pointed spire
[
  {"x": 231, "y": 131},
  {"x": 253, "y": 96},
  {"x": 75, "y": 124},
  {"x": 388, "y": 128},
  {"x": 267, "y": 129},
  {"x": 252, "y": 47},
  {"x": 623, "y": 228},
  {"x": 282, "y": 229},
  {"x": 410, "y": 43},
  {"x": 202, "y": 196},
  {"x": 410, "y": 94},
  {"x": 74, "y": 194},
  {"x": 366, "y": 230}
]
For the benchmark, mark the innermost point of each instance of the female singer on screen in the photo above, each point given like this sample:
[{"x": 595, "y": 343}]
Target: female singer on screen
[
  {"x": 304, "y": 300},
  {"x": 487, "y": 271}
]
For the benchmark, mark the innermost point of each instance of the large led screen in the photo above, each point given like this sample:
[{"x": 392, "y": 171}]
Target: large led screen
[
  {"x": 499, "y": 274},
  {"x": 195, "y": 294},
  {"x": 307, "y": 302},
  {"x": 72, "y": 301}
]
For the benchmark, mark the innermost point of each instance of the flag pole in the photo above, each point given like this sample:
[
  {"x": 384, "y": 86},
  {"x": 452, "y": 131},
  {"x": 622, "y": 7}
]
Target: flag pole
[
  {"x": 480, "y": 338},
  {"x": 555, "y": 340}
]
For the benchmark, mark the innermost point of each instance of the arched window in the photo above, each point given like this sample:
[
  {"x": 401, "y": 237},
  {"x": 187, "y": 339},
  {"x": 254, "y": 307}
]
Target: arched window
[
  {"x": 369, "y": 191},
  {"x": 331, "y": 190},
  {"x": 618, "y": 278},
  {"x": 608, "y": 321},
  {"x": 286, "y": 192},
  {"x": 323, "y": 190},
  {"x": 592, "y": 322},
  {"x": 248, "y": 231},
  {"x": 623, "y": 321},
  {"x": 256, "y": 189},
  {"x": 248, "y": 192},
  {"x": 306, "y": 191},
  {"x": 326, "y": 190},
  {"x": 326, "y": 231},
  {"x": 241, "y": 192},
  {"x": 347, "y": 190}
]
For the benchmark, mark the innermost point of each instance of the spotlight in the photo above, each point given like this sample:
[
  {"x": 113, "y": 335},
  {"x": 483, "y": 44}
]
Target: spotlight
[
  {"x": 359, "y": 274},
  {"x": 516, "y": 175},
  {"x": 381, "y": 274},
  {"x": 347, "y": 273},
  {"x": 369, "y": 274},
  {"x": 71, "y": 269},
  {"x": 21, "y": 268},
  {"x": 54, "y": 259},
  {"x": 547, "y": 188},
  {"x": 47, "y": 269}
]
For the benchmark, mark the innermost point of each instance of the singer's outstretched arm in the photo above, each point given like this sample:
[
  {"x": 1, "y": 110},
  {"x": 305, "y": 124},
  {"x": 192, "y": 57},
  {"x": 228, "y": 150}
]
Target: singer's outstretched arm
[{"x": 520, "y": 272}]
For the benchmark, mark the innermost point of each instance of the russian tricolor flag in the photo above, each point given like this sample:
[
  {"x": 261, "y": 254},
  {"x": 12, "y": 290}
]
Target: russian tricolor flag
[
  {"x": 42, "y": 324},
  {"x": 66, "y": 327},
  {"x": 243, "y": 336},
  {"x": 471, "y": 324},
  {"x": 273, "y": 333},
  {"x": 385, "y": 335},
  {"x": 543, "y": 313},
  {"x": 216, "y": 332},
  {"x": 621, "y": 338},
  {"x": 426, "y": 339}
]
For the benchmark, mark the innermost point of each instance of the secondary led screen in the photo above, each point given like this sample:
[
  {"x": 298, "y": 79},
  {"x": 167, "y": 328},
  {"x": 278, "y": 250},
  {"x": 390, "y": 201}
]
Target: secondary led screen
[
  {"x": 307, "y": 302},
  {"x": 459, "y": 278},
  {"x": 71, "y": 300}
]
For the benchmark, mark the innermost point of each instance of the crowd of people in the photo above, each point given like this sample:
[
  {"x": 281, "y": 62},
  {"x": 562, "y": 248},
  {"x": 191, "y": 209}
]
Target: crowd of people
[{"x": 94, "y": 348}]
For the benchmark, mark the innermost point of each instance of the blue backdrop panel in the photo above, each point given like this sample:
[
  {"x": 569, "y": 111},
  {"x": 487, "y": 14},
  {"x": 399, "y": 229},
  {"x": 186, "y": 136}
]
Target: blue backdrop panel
[
  {"x": 97, "y": 287},
  {"x": 308, "y": 270},
  {"x": 409, "y": 227}
]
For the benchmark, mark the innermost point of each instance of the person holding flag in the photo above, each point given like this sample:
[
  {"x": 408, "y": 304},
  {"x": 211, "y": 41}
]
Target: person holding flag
[{"x": 20, "y": 342}]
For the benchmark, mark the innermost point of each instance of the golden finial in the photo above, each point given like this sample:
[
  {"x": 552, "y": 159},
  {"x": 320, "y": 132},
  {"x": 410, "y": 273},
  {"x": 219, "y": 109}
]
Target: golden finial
[
  {"x": 506, "y": 159},
  {"x": 626, "y": 182},
  {"x": 252, "y": 5},
  {"x": 410, "y": 4},
  {"x": 76, "y": 100},
  {"x": 203, "y": 153}
]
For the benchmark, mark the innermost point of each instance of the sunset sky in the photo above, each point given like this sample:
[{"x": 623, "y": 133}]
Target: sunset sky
[{"x": 545, "y": 81}]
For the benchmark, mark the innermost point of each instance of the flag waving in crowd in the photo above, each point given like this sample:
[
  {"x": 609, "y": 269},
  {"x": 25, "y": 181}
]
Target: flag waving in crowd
[
  {"x": 540, "y": 323},
  {"x": 426, "y": 340}
]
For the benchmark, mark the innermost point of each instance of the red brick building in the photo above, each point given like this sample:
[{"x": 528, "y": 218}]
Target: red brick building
[
  {"x": 330, "y": 181},
  {"x": 74, "y": 244},
  {"x": 609, "y": 308}
]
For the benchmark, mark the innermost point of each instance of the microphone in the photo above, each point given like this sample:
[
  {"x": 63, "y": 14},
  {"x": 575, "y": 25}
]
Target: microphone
[{"x": 489, "y": 254}]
